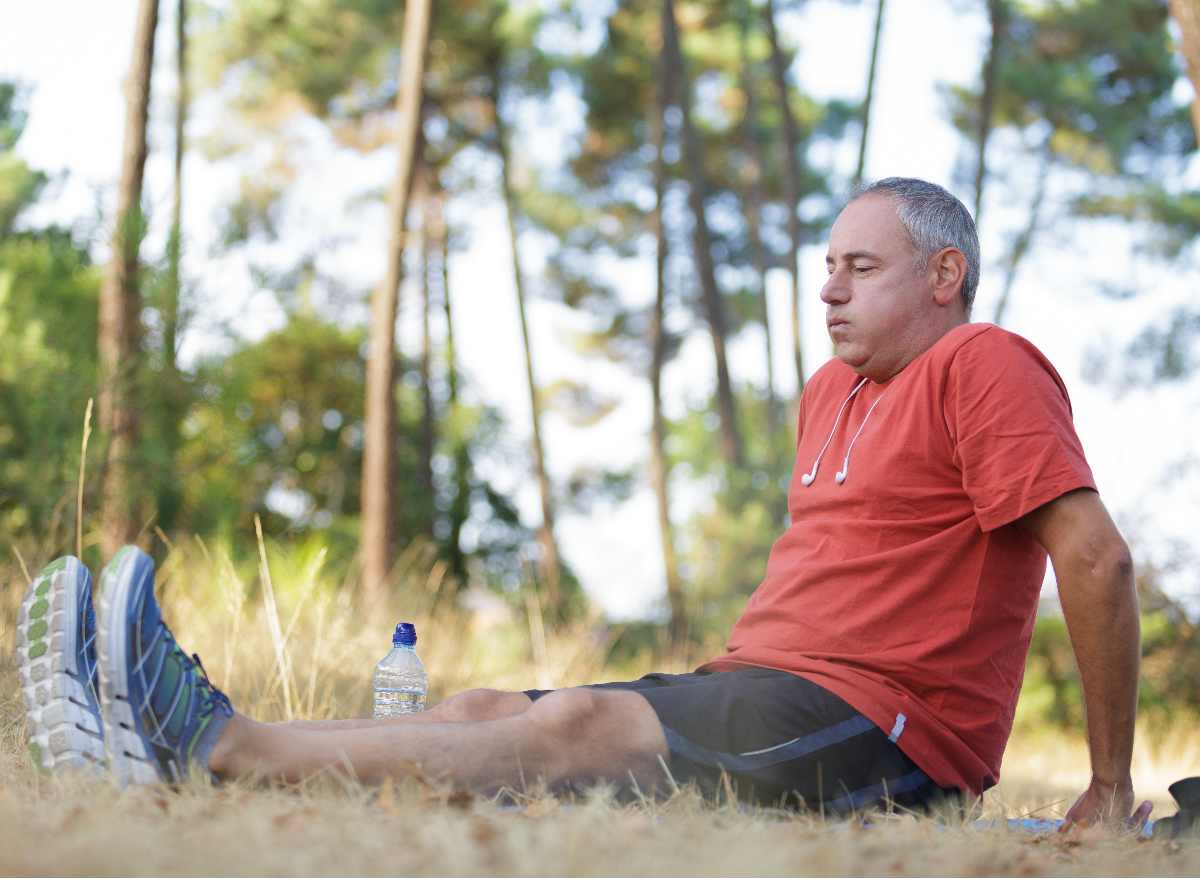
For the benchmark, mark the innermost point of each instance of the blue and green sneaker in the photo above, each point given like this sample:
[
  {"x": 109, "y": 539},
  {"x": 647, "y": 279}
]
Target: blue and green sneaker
[
  {"x": 161, "y": 713},
  {"x": 56, "y": 666}
]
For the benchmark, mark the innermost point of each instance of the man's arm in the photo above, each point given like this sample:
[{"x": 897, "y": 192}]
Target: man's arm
[{"x": 1095, "y": 586}]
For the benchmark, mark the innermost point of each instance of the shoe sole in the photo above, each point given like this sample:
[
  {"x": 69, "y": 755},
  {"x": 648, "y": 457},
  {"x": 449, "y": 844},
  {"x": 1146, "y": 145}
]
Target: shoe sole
[
  {"x": 60, "y": 716},
  {"x": 129, "y": 756}
]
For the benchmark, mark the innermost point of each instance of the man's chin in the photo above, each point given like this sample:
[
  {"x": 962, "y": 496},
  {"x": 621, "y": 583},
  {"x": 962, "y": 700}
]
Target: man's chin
[{"x": 849, "y": 355}]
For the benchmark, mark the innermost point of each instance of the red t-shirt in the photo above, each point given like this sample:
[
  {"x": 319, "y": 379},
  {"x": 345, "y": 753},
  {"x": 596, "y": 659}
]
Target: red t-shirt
[{"x": 909, "y": 589}]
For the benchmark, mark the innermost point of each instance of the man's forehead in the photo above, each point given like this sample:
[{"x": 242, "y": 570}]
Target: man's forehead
[
  {"x": 868, "y": 227},
  {"x": 851, "y": 255}
]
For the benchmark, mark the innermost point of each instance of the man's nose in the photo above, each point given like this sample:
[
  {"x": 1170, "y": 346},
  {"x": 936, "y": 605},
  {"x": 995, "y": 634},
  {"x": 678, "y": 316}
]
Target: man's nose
[{"x": 835, "y": 289}]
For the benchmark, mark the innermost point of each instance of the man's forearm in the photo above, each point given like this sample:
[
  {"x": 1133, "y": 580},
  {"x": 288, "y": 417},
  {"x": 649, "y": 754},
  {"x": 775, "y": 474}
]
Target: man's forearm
[
  {"x": 1096, "y": 588},
  {"x": 1099, "y": 602}
]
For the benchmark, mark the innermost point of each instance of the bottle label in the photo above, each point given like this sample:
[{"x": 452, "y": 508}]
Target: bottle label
[{"x": 398, "y": 696}]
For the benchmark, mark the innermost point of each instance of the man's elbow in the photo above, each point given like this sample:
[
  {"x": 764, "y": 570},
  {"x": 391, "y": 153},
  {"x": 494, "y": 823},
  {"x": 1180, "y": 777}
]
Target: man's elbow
[
  {"x": 1112, "y": 584},
  {"x": 1103, "y": 571},
  {"x": 1115, "y": 565}
]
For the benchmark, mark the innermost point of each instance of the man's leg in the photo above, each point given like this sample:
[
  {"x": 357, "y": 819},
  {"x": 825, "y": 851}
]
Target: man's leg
[
  {"x": 469, "y": 706},
  {"x": 161, "y": 716},
  {"x": 575, "y": 735}
]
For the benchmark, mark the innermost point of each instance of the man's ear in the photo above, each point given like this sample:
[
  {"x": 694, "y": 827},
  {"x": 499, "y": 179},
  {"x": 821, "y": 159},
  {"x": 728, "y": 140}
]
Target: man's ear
[{"x": 948, "y": 270}]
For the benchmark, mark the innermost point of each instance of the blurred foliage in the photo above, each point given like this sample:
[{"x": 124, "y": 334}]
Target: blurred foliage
[
  {"x": 1087, "y": 107},
  {"x": 603, "y": 211},
  {"x": 48, "y": 312},
  {"x": 276, "y": 431},
  {"x": 1089, "y": 83},
  {"x": 724, "y": 546},
  {"x": 1170, "y": 684}
]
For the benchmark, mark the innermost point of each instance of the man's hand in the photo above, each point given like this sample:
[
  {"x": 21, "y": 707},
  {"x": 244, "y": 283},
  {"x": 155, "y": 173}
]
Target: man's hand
[
  {"x": 1096, "y": 589},
  {"x": 1102, "y": 803}
]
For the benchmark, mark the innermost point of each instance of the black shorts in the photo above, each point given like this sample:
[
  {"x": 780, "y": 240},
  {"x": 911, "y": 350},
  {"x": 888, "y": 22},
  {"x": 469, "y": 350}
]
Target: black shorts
[{"x": 782, "y": 741}]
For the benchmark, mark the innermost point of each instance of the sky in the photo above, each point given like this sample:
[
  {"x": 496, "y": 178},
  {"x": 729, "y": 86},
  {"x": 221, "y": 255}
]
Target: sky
[{"x": 1140, "y": 443}]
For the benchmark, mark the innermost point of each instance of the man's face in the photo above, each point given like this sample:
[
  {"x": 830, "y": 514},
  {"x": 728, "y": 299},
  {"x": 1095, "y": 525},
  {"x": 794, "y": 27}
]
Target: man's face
[{"x": 879, "y": 312}]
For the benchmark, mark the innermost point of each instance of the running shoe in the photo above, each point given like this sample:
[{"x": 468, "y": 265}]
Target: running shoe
[
  {"x": 56, "y": 667},
  {"x": 161, "y": 714}
]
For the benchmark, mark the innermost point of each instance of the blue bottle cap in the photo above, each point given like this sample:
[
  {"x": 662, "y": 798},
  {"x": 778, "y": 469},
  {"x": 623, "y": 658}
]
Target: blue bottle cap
[{"x": 406, "y": 634}]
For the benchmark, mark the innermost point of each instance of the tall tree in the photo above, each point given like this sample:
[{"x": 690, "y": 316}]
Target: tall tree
[
  {"x": 121, "y": 302},
  {"x": 731, "y": 440},
  {"x": 1187, "y": 15},
  {"x": 426, "y": 440},
  {"x": 1022, "y": 240},
  {"x": 550, "y": 564},
  {"x": 865, "y": 112},
  {"x": 755, "y": 198},
  {"x": 379, "y": 452},
  {"x": 678, "y": 626},
  {"x": 170, "y": 315},
  {"x": 997, "y": 15},
  {"x": 791, "y": 184}
]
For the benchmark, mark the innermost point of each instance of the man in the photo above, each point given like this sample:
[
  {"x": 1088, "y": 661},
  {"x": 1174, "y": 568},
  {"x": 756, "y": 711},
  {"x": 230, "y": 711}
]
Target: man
[{"x": 880, "y": 659}]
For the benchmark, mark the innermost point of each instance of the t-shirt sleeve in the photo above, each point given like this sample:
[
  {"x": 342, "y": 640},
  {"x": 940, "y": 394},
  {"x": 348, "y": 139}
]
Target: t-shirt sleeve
[{"x": 1010, "y": 424}]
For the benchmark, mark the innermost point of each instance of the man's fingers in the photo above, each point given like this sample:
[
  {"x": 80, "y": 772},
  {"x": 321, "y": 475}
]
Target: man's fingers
[
  {"x": 1086, "y": 811},
  {"x": 1142, "y": 815}
]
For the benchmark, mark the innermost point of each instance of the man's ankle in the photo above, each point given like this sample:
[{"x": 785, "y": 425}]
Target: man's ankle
[{"x": 228, "y": 754}]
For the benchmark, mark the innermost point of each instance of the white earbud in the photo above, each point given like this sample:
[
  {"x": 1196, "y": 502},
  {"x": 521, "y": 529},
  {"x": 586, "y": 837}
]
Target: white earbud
[
  {"x": 807, "y": 478},
  {"x": 840, "y": 476}
]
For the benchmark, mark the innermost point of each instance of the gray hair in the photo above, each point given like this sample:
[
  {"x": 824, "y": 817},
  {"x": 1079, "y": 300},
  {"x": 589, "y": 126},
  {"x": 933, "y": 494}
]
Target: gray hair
[{"x": 934, "y": 220}]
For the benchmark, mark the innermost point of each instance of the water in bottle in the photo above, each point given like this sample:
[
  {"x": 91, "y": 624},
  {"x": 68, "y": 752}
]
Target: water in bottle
[{"x": 400, "y": 683}]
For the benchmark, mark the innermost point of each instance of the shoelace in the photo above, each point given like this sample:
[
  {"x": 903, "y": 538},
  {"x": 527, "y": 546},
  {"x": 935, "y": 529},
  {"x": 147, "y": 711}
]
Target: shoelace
[
  {"x": 210, "y": 697},
  {"x": 87, "y": 653},
  {"x": 213, "y": 697}
]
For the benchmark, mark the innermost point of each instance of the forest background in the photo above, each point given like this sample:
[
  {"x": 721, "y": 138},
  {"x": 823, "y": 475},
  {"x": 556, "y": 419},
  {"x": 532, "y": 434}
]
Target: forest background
[{"x": 607, "y": 277}]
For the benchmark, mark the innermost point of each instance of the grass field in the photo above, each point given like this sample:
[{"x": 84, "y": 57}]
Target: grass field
[{"x": 300, "y": 644}]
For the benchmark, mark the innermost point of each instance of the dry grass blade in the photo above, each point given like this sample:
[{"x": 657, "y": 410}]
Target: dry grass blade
[
  {"x": 166, "y": 541},
  {"x": 310, "y": 583},
  {"x": 21, "y": 561},
  {"x": 537, "y": 634},
  {"x": 87, "y": 432},
  {"x": 281, "y": 654}
]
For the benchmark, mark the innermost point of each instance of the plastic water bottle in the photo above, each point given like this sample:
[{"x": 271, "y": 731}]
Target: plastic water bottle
[{"x": 400, "y": 683}]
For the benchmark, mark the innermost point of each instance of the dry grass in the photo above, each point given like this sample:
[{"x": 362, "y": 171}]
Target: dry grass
[{"x": 302, "y": 646}]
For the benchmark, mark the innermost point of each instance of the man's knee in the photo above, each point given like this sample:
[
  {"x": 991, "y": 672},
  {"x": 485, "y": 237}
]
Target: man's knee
[
  {"x": 473, "y": 706},
  {"x": 621, "y": 719}
]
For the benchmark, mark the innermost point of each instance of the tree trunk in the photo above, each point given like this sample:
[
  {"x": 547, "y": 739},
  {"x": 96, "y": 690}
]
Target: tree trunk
[
  {"x": 170, "y": 316},
  {"x": 754, "y": 202},
  {"x": 731, "y": 440},
  {"x": 865, "y": 116},
  {"x": 425, "y": 446},
  {"x": 460, "y": 506},
  {"x": 1020, "y": 244},
  {"x": 791, "y": 186},
  {"x": 379, "y": 450},
  {"x": 1187, "y": 15},
  {"x": 169, "y": 392},
  {"x": 120, "y": 302},
  {"x": 550, "y": 565},
  {"x": 678, "y": 627},
  {"x": 996, "y": 12},
  {"x": 440, "y": 231}
]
